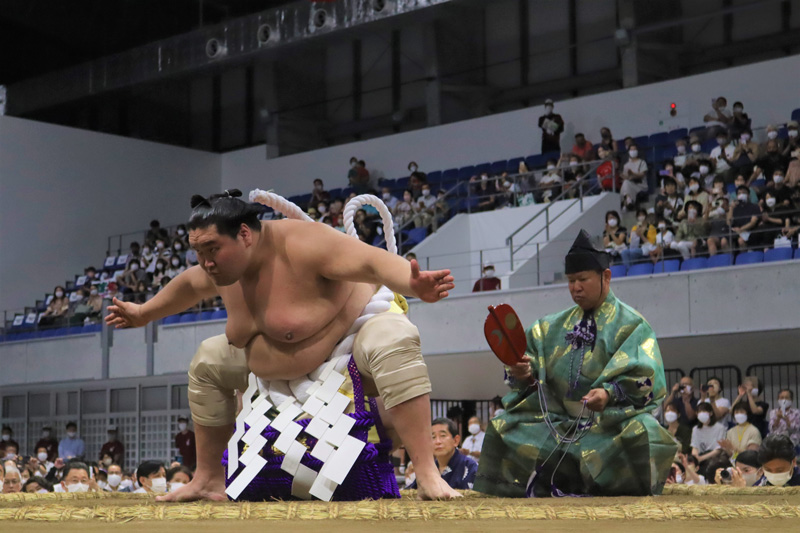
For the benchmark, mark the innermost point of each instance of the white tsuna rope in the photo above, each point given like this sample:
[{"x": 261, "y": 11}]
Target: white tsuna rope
[
  {"x": 388, "y": 224},
  {"x": 279, "y": 204}
]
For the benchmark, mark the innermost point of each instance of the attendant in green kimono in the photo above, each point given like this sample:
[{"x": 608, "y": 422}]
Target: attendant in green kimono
[{"x": 578, "y": 418}]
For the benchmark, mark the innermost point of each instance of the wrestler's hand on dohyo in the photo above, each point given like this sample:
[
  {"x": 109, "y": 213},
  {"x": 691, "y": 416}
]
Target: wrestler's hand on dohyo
[
  {"x": 596, "y": 400},
  {"x": 125, "y": 315},
  {"x": 430, "y": 285}
]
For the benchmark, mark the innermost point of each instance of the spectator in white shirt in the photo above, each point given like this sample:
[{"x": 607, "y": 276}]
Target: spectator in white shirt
[
  {"x": 712, "y": 394},
  {"x": 474, "y": 442},
  {"x": 707, "y": 434},
  {"x": 718, "y": 118},
  {"x": 722, "y": 156},
  {"x": 664, "y": 240},
  {"x": 634, "y": 176},
  {"x": 388, "y": 199},
  {"x": 424, "y": 217},
  {"x": 176, "y": 267}
]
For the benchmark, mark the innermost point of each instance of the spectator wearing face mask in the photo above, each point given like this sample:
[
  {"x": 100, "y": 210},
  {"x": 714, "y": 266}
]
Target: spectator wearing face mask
[
  {"x": 185, "y": 443},
  {"x": 318, "y": 193},
  {"x": 793, "y": 139},
  {"x": 6, "y": 440},
  {"x": 694, "y": 192},
  {"x": 48, "y": 442},
  {"x": 488, "y": 282},
  {"x": 744, "y": 435},
  {"x": 114, "y": 478},
  {"x": 785, "y": 418},
  {"x": 775, "y": 218},
  {"x": 57, "y": 309},
  {"x": 747, "y": 472},
  {"x": 779, "y": 462},
  {"x": 37, "y": 485},
  {"x": 43, "y": 459},
  {"x": 131, "y": 276},
  {"x": 750, "y": 395},
  {"x": 485, "y": 189},
  {"x": 614, "y": 235},
  {"x": 474, "y": 441},
  {"x": 706, "y": 435},
  {"x": 681, "y": 433},
  {"x": 71, "y": 446},
  {"x": 180, "y": 233},
  {"x": 780, "y": 191},
  {"x": 152, "y": 478},
  {"x": 441, "y": 209},
  {"x": 743, "y": 219},
  {"x": 95, "y": 302},
  {"x": 388, "y": 199},
  {"x": 793, "y": 170},
  {"x": 12, "y": 452},
  {"x": 634, "y": 178},
  {"x": 664, "y": 239},
  {"x": 683, "y": 398},
  {"x": 740, "y": 121},
  {"x": 552, "y": 125},
  {"x": 159, "y": 271},
  {"x": 771, "y": 160},
  {"x": 718, "y": 119},
  {"x": 179, "y": 250},
  {"x": 608, "y": 176},
  {"x": 76, "y": 478},
  {"x": 403, "y": 211},
  {"x": 425, "y": 216},
  {"x": 113, "y": 448},
  {"x": 681, "y": 153},
  {"x": 670, "y": 202},
  {"x": 134, "y": 251},
  {"x": 176, "y": 267},
  {"x": 550, "y": 182},
  {"x": 458, "y": 470},
  {"x": 711, "y": 393},
  {"x": 692, "y": 232},
  {"x": 722, "y": 155},
  {"x": 148, "y": 256},
  {"x": 177, "y": 477},
  {"x": 746, "y": 153}
]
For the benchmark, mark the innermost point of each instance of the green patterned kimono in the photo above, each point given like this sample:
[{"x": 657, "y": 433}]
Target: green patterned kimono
[{"x": 626, "y": 452}]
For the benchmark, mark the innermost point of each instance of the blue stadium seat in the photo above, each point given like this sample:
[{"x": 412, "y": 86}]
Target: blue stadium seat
[
  {"x": 783, "y": 133},
  {"x": 695, "y": 263},
  {"x": 75, "y": 330},
  {"x": 465, "y": 173},
  {"x": 512, "y": 167},
  {"x": 60, "y": 332},
  {"x": 450, "y": 175},
  {"x": 206, "y": 315},
  {"x": 749, "y": 258},
  {"x": 640, "y": 269},
  {"x": 468, "y": 205},
  {"x": 759, "y": 184},
  {"x": 659, "y": 139},
  {"x": 435, "y": 176},
  {"x": 618, "y": 271},
  {"x": 345, "y": 192},
  {"x": 172, "y": 319},
  {"x": 415, "y": 236},
  {"x": 335, "y": 193},
  {"x": 700, "y": 131},
  {"x": 189, "y": 317},
  {"x": 498, "y": 167},
  {"x": 720, "y": 260},
  {"x": 778, "y": 254},
  {"x": 220, "y": 314},
  {"x": 709, "y": 145},
  {"x": 680, "y": 133},
  {"x": 390, "y": 183},
  {"x": 797, "y": 254},
  {"x": 731, "y": 188},
  {"x": 669, "y": 265},
  {"x": 796, "y": 114},
  {"x": 483, "y": 167},
  {"x": 642, "y": 141}
]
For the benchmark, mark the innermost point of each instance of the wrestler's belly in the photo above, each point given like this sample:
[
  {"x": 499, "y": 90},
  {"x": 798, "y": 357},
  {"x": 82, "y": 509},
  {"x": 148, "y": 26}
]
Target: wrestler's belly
[{"x": 269, "y": 358}]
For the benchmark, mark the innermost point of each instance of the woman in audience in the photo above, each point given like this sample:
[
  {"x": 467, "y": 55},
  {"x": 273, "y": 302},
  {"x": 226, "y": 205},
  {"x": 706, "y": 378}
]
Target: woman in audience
[
  {"x": 750, "y": 394},
  {"x": 403, "y": 211},
  {"x": 775, "y": 217},
  {"x": 614, "y": 235},
  {"x": 664, "y": 239},
  {"x": 57, "y": 309},
  {"x": 634, "y": 178},
  {"x": 131, "y": 277},
  {"x": 681, "y": 433},
  {"x": 779, "y": 462},
  {"x": 744, "y": 435},
  {"x": 176, "y": 267},
  {"x": 147, "y": 257},
  {"x": 159, "y": 271},
  {"x": 785, "y": 419},
  {"x": 642, "y": 239},
  {"x": 706, "y": 435},
  {"x": 607, "y": 141},
  {"x": 711, "y": 393},
  {"x": 140, "y": 294},
  {"x": 691, "y": 470},
  {"x": 747, "y": 473},
  {"x": 179, "y": 250},
  {"x": 177, "y": 477}
]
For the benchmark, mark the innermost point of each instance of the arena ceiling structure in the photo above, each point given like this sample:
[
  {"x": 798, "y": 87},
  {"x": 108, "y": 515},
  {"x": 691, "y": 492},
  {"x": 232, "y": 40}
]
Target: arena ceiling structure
[{"x": 220, "y": 75}]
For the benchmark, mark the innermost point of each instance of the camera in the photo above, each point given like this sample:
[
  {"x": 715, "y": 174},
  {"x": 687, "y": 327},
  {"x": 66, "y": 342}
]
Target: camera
[
  {"x": 704, "y": 388},
  {"x": 682, "y": 388}
]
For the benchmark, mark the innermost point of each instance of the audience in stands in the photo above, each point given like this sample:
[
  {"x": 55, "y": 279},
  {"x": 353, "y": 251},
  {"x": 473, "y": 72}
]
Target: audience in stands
[
  {"x": 744, "y": 435},
  {"x": 113, "y": 451},
  {"x": 682, "y": 433},
  {"x": 634, "y": 179},
  {"x": 607, "y": 142},
  {"x": 49, "y": 443},
  {"x": 457, "y": 469},
  {"x": 552, "y": 125},
  {"x": 318, "y": 193},
  {"x": 403, "y": 211},
  {"x": 779, "y": 462},
  {"x": 425, "y": 216},
  {"x": 583, "y": 148},
  {"x": 721, "y": 157},
  {"x": 692, "y": 232},
  {"x": 785, "y": 418},
  {"x": 156, "y": 232},
  {"x": 707, "y": 435},
  {"x": 711, "y": 393},
  {"x": 177, "y": 477},
  {"x": 389, "y": 199},
  {"x": 742, "y": 219},
  {"x": 614, "y": 235},
  {"x": 358, "y": 176},
  {"x": 7, "y": 441},
  {"x": 740, "y": 122},
  {"x": 718, "y": 119},
  {"x": 12, "y": 480},
  {"x": 669, "y": 203},
  {"x": 71, "y": 446},
  {"x": 488, "y": 282},
  {"x": 750, "y": 395},
  {"x": 473, "y": 444},
  {"x": 76, "y": 477},
  {"x": 683, "y": 398},
  {"x": 664, "y": 239},
  {"x": 56, "y": 309}
]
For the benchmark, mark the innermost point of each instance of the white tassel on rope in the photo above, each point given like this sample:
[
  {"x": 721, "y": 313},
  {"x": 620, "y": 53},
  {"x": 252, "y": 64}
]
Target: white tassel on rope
[{"x": 388, "y": 224}]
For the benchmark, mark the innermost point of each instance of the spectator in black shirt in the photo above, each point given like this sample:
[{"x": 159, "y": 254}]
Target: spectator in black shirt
[
  {"x": 781, "y": 192},
  {"x": 682, "y": 397},
  {"x": 750, "y": 394},
  {"x": 156, "y": 232},
  {"x": 774, "y": 218},
  {"x": 771, "y": 160},
  {"x": 743, "y": 219},
  {"x": 552, "y": 125},
  {"x": 740, "y": 121},
  {"x": 614, "y": 235}
]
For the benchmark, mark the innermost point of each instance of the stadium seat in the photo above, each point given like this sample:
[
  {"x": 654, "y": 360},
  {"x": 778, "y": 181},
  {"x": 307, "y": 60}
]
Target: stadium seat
[
  {"x": 75, "y": 330},
  {"x": 642, "y": 141},
  {"x": 450, "y": 175},
  {"x": 778, "y": 254},
  {"x": 206, "y": 315},
  {"x": 666, "y": 266},
  {"x": 749, "y": 258},
  {"x": 402, "y": 183},
  {"x": 468, "y": 205},
  {"x": 720, "y": 260},
  {"x": 481, "y": 168},
  {"x": 659, "y": 139},
  {"x": 220, "y": 314},
  {"x": 435, "y": 176},
  {"x": 796, "y": 114},
  {"x": 512, "y": 166},
  {"x": 498, "y": 167},
  {"x": 189, "y": 317},
  {"x": 60, "y": 332},
  {"x": 680, "y": 133},
  {"x": 415, "y": 236},
  {"x": 640, "y": 269},
  {"x": 695, "y": 263},
  {"x": 618, "y": 271},
  {"x": 709, "y": 145},
  {"x": 797, "y": 254},
  {"x": 335, "y": 193},
  {"x": 172, "y": 319},
  {"x": 465, "y": 173}
]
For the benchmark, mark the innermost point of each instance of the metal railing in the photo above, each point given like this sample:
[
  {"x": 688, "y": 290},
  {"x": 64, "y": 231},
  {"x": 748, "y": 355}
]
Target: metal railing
[{"x": 583, "y": 181}]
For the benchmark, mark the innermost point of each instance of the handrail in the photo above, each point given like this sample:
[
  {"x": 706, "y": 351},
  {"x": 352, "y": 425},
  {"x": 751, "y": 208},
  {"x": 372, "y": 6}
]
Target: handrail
[{"x": 546, "y": 211}]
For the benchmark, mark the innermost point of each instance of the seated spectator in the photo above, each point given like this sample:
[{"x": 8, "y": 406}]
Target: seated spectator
[
  {"x": 713, "y": 470},
  {"x": 425, "y": 217},
  {"x": 744, "y": 435},
  {"x": 669, "y": 171},
  {"x": 134, "y": 251},
  {"x": 114, "y": 478},
  {"x": 694, "y": 192},
  {"x": 151, "y": 477},
  {"x": 693, "y": 159},
  {"x": 156, "y": 232},
  {"x": 360, "y": 183},
  {"x": 692, "y": 232},
  {"x": 318, "y": 194},
  {"x": 785, "y": 419},
  {"x": 614, "y": 235},
  {"x": 162, "y": 249},
  {"x": 47, "y": 444},
  {"x": 740, "y": 181},
  {"x": 623, "y": 156},
  {"x": 474, "y": 443},
  {"x": 691, "y": 470},
  {"x": 163, "y": 281},
  {"x": 7, "y": 439},
  {"x": 37, "y": 485},
  {"x": 403, "y": 211},
  {"x": 148, "y": 256},
  {"x": 681, "y": 433},
  {"x": 159, "y": 271},
  {"x": 418, "y": 179},
  {"x": 793, "y": 141},
  {"x": 365, "y": 228},
  {"x": 642, "y": 239},
  {"x": 95, "y": 303},
  {"x": 176, "y": 267},
  {"x": 750, "y": 394},
  {"x": 441, "y": 210},
  {"x": 771, "y": 159},
  {"x": 608, "y": 175},
  {"x": 718, "y": 118},
  {"x": 76, "y": 478},
  {"x": 583, "y": 148},
  {"x": 706, "y": 435},
  {"x": 180, "y": 233},
  {"x": 682, "y": 397},
  {"x": 484, "y": 190},
  {"x": 680, "y": 157},
  {"x": 57, "y": 308},
  {"x": 177, "y": 477},
  {"x": 739, "y": 122},
  {"x": 716, "y": 214},
  {"x": 549, "y": 185},
  {"x": 722, "y": 156},
  {"x": 793, "y": 170},
  {"x": 749, "y": 469},
  {"x": 131, "y": 276},
  {"x": 669, "y": 203},
  {"x": 775, "y": 218},
  {"x": 664, "y": 239},
  {"x": 607, "y": 142},
  {"x": 139, "y": 295},
  {"x": 179, "y": 250},
  {"x": 778, "y": 460},
  {"x": 335, "y": 213},
  {"x": 81, "y": 311},
  {"x": 711, "y": 393},
  {"x": 704, "y": 175},
  {"x": 505, "y": 192},
  {"x": 634, "y": 179},
  {"x": 12, "y": 452},
  {"x": 388, "y": 199},
  {"x": 743, "y": 219},
  {"x": 488, "y": 281},
  {"x": 780, "y": 191},
  {"x": 457, "y": 469},
  {"x": 91, "y": 274},
  {"x": 12, "y": 480},
  {"x": 745, "y": 154}
]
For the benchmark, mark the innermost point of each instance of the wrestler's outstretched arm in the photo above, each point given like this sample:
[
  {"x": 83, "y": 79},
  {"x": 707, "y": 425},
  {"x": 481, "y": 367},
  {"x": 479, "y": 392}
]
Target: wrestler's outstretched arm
[
  {"x": 187, "y": 289},
  {"x": 340, "y": 257}
]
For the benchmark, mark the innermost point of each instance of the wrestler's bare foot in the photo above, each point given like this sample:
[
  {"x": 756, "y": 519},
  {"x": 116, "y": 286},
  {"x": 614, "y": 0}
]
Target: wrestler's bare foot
[
  {"x": 197, "y": 489},
  {"x": 436, "y": 489}
]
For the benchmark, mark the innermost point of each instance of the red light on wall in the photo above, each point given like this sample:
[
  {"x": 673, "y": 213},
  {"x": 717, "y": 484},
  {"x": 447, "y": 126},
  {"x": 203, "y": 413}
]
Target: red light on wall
[{"x": 673, "y": 109}]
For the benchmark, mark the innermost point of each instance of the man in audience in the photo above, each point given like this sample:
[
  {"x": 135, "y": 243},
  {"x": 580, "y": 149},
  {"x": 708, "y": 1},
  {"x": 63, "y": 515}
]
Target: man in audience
[
  {"x": 692, "y": 231},
  {"x": 6, "y": 440},
  {"x": 552, "y": 125},
  {"x": 318, "y": 194},
  {"x": 718, "y": 118},
  {"x": 76, "y": 478},
  {"x": 670, "y": 203},
  {"x": 711, "y": 393},
  {"x": 360, "y": 180},
  {"x": 390, "y": 200},
  {"x": 49, "y": 443},
  {"x": 793, "y": 141},
  {"x": 488, "y": 281},
  {"x": 457, "y": 469},
  {"x": 683, "y": 397},
  {"x": 156, "y": 232},
  {"x": 778, "y": 460},
  {"x": 622, "y": 377},
  {"x": 743, "y": 219},
  {"x": 113, "y": 447},
  {"x": 185, "y": 443},
  {"x": 583, "y": 148},
  {"x": 71, "y": 446},
  {"x": 12, "y": 480},
  {"x": 693, "y": 159},
  {"x": 425, "y": 217},
  {"x": 114, "y": 478},
  {"x": 780, "y": 191},
  {"x": 152, "y": 478},
  {"x": 472, "y": 445},
  {"x": 740, "y": 121},
  {"x": 771, "y": 159},
  {"x": 722, "y": 156}
]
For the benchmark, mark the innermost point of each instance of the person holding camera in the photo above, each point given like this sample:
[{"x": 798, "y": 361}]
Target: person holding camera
[
  {"x": 711, "y": 393},
  {"x": 746, "y": 473},
  {"x": 750, "y": 395},
  {"x": 682, "y": 397}
]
